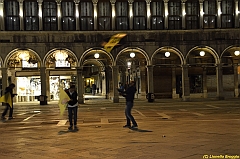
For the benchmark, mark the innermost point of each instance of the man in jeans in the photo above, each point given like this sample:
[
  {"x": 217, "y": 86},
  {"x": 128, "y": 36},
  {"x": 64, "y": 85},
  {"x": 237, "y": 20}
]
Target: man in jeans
[
  {"x": 72, "y": 107},
  {"x": 129, "y": 95}
]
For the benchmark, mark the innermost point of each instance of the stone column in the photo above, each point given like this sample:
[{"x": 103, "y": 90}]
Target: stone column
[
  {"x": 205, "y": 93},
  {"x": 236, "y": 14},
  {"x": 148, "y": 14},
  {"x": 95, "y": 13},
  {"x": 44, "y": 81},
  {"x": 115, "y": 84},
  {"x": 166, "y": 13},
  {"x": 40, "y": 14},
  {"x": 143, "y": 80},
  {"x": 201, "y": 13},
  {"x": 21, "y": 14},
  {"x": 219, "y": 82},
  {"x": 4, "y": 78},
  {"x": 113, "y": 13},
  {"x": 185, "y": 84},
  {"x": 13, "y": 80},
  {"x": 219, "y": 13},
  {"x": 77, "y": 13},
  {"x": 130, "y": 2},
  {"x": 150, "y": 79},
  {"x": 183, "y": 14},
  {"x": 2, "y": 25},
  {"x": 174, "y": 93},
  {"x": 48, "y": 84},
  {"x": 236, "y": 92},
  {"x": 80, "y": 88},
  {"x": 59, "y": 15}
]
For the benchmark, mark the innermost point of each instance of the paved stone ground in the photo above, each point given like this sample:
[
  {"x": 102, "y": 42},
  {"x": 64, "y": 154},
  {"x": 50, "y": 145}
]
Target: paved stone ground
[{"x": 168, "y": 129}]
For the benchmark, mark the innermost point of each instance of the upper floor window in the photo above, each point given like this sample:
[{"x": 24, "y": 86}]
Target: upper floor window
[
  {"x": 227, "y": 14},
  {"x": 210, "y": 12},
  {"x": 122, "y": 16},
  {"x": 50, "y": 16},
  {"x": 31, "y": 20},
  {"x": 157, "y": 12},
  {"x": 174, "y": 18},
  {"x": 86, "y": 15},
  {"x": 104, "y": 15},
  {"x": 192, "y": 14},
  {"x": 68, "y": 16},
  {"x": 139, "y": 15},
  {"x": 12, "y": 19}
]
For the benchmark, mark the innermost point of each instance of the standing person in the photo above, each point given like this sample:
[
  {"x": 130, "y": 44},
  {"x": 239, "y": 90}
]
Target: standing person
[
  {"x": 129, "y": 95},
  {"x": 9, "y": 89},
  {"x": 94, "y": 87},
  {"x": 72, "y": 107}
]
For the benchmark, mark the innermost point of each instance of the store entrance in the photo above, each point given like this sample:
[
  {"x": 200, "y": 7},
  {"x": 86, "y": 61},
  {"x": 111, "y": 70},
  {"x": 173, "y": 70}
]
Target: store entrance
[{"x": 57, "y": 82}]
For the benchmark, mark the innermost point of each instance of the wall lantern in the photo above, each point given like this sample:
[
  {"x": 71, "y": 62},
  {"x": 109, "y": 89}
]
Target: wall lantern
[
  {"x": 132, "y": 54},
  {"x": 202, "y": 53},
  {"x": 167, "y": 54},
  {"x": 236, "y": 53},
  {"x": 96, "y": 56}
]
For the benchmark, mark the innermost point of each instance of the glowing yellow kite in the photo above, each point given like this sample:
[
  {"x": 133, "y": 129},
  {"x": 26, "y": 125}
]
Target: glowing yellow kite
[
  {"x": 63, "y": 99},
  {"x": 114, "y": 40},
  {"x": 6, "y": 99}
]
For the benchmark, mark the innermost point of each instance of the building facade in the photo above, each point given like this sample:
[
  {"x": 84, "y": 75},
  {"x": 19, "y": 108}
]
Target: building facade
[{"x": 172, "y": 49}]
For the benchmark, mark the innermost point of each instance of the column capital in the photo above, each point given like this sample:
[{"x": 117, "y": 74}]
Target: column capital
[
  {"x": 130, "y": 1},
  {"x": 1, "y": 1},
  {"x": 20, "y": 1},
  {"x": 95, "y": 1},
  {"x": 76, "y": 1},
  {"x": 201, "y": 1},
  {"x": 39, "y": 1},
  {"x": 148, "y": 1},
  {"x": 113, "y": 1},
  {"x": 165, "y": 1},
  {"x": 183, "y": 1},
  {"x": 58, "y": 1}
]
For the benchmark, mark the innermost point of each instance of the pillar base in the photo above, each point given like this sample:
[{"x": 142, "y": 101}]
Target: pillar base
[
  {"x": 81, "y": 101},
  {"x": 186, "y": 98},
  {"x": 115, "y": 99},
  {"x": 220, "y": 98}
]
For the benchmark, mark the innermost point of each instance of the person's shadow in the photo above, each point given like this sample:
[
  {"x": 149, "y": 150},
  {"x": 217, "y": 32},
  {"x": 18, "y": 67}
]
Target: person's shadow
[
  {"x": 61, "y": 132},
  {"x": 140, "y": 130}
]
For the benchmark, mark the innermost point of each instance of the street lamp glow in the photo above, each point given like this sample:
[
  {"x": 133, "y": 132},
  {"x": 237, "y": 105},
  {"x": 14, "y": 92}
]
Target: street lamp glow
[
  {"x": 202, "y": 53},
  {"x": 236, "y": 53},
  {"x": 132, "y": 55},
  {"x": 167, "y": 54},
  {"x": 96, "y": 55}
]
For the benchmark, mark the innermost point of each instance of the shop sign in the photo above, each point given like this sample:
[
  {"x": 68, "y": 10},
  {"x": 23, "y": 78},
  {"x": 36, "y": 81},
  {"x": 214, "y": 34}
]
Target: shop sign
[
  {"x": 26, "y": 64},
  {"x": 62, "y": 63}
]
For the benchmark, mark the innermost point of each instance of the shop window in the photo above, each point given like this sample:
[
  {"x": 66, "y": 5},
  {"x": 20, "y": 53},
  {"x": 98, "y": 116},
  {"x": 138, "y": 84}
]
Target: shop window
[{"x": 86, "y": 16}]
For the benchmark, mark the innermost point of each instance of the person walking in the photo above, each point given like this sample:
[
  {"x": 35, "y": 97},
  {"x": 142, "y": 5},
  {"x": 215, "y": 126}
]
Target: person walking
[
  {"x": 9, "y": 89},
  {"x": 72, "y": 107},
  {"x": 129, "y": 96}
]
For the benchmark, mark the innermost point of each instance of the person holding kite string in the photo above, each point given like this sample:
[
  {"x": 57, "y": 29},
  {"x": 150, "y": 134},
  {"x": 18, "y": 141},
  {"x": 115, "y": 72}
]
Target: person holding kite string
[
  {"x": 8, "y": 99},
  {"x": 72, "y": 107}
]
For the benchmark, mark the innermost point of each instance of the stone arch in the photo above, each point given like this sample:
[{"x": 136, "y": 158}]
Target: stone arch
[
  {"x": 69, "y": 52},
  {"x": 1, "y": 62},
  {"x": 204, "y": 48},
  {"x": 133, "y": 49},
  {"x": 171, "y": 50},
  {"x": 18, "y": 49},
  {"x": 94, "y": 50}
]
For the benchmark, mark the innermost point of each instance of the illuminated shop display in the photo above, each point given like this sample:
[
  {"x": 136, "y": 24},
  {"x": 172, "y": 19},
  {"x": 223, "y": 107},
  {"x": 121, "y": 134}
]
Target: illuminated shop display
[{"x": 28, "y": 86}]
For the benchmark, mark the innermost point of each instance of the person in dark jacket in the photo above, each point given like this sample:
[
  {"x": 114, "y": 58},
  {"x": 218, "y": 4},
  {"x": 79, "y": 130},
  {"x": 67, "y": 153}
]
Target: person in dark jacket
[
  {"x": 9, "y": 89},
  {"x": 129, "y": 94},
  {"x": 72, "y": 107}
]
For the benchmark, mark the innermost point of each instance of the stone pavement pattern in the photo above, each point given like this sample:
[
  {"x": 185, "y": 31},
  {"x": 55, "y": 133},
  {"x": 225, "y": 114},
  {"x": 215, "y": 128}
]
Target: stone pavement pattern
[{"x": 168, "y": 129}]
